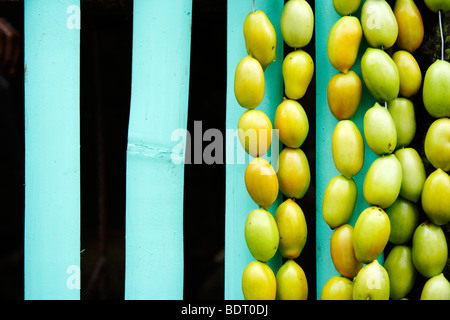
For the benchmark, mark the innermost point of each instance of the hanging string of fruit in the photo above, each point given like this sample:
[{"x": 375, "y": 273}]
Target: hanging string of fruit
[
  {"x": 292, "y": 125},
  {"x": 255, "y": 135}
]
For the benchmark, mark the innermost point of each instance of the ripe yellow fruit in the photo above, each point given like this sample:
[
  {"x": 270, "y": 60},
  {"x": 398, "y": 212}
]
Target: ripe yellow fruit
[
  {"x": 291, "y": 282},
  {"x": 255, "y": 132},
  {"x": 261, "y": 182},
  {"x": 409, "y": 72},
  {"x": 259, "y": 282},
  {"x": 298, "y": 70},
  {"x": 343, "y": 253},
  {"x": 249, "y": 83},
  {"x": 410, "y": 25},
  {"x": 297, "y": 23},
  {"x": 292, "y": 124},
  {"x": 294, "y": 175},
  {"x": 344, "y": 93},
  {"x": 337, "y": 288}
]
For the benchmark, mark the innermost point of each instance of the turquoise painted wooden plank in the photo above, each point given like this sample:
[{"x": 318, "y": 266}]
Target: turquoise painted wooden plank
[
  {"x": 52, "y": 149},
  {"x": 238, "y": 202},
  {"x": 326, "y": 17},
  {"x": 154, "y": 185}
]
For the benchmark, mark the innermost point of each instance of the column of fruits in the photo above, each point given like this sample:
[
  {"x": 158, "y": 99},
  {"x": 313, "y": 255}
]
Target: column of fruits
[
  {"x": 255, "y": 135},
  {"x": 344, "y": 93},
  {"x": 292, "y": 126},
  {"x": 429, "y": 245}
]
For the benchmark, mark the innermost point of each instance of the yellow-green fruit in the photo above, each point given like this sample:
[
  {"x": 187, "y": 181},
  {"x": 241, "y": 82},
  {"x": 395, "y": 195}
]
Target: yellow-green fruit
[
  {"x": 380, "y": 74},
  {"x": 379, "y": 24},
  {"x": 292, "y": 228},
  {"x": 255, "y": 132},
  {"x": 436, "y": 288},
  {"x": 409, "y": 72},
  {"x": 413, "y": 173},
  {"x": 436, "y": 5},
  {"x": 410, "y": 25},
  {"x": 436, "y": 197},
  {"x": 339, "y": 200},
  {"x": 371, "y": 234},
  {"x": 344, "y": 93},
  {"x": 436, "y": 89},
  {"x": 343, "y": 253},
  {"x": 346, "y": 7},
  {"x": 261, "y": 182},
  {"x": 298, "y": 70},
  {"x": 249, "y": 83},
  {"x": 291, "y": 282},
  {"x": 259, "y": 282},
  {"x": 372, "y": 283},
  {"x": 294, "y": 175},
  {"x": 379, "y": 130},
  {"x": 297, "y": 23},
  {"x": 383, "y": 181},
  {"x": 437, "y": 144},
  {"x": 403, "y": 114},
  {"x": 292, "y": 123},
  {"x": 343, "y": 43},
  {"x": 404, "y": 219},
  {"x": 401, "y": 271},
  {"x": 347, "y": 147},
  {"x": 261, "y": 234},
  {"x": 260, "y": 38},
  {"x": 337, "y": 288},
  {"x": 429, "y": 249}
]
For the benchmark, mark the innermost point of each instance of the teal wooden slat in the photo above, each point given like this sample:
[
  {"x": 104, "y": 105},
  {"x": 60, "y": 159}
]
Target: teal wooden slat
[
  {"x": 154, "y": 185},
  {"x": 52, "y": 150},
  {"x": 238, "y": 202},
  {"x": 326, "y": 17}
]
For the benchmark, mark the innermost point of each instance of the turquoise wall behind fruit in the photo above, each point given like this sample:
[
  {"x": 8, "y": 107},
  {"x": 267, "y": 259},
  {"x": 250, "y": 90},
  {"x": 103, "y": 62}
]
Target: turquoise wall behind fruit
[{"x": 325, "y": 18}]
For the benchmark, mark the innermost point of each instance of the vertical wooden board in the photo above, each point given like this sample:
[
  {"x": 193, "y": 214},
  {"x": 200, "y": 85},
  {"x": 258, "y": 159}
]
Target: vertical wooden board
[
  {"x": 326, "y": 17},
  {"x": 52, "y": 150},
  {"x": 238, "y": 203},
  {"x": 154, "y": 186}
]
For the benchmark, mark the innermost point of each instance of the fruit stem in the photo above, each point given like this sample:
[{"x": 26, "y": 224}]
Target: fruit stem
[{"x": 442, "y": 35}]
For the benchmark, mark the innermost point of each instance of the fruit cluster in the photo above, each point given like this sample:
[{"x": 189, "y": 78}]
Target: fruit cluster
[
  {"x": 286, "y": 231},
  {"x": 396, "y": 180}
]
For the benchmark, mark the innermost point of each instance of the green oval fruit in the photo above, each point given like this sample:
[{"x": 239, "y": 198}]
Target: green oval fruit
[
  {"x": 383, "y": 181},
  {"x": 403, "y": 114},
  {"x": 347, "y": 147},
  {"x": 379, "y": 130},
  {"x": 260, "y": 38},
  {"x": 255, "y": 132},
  {"x": 343, "y": 43},
  {"x": 401, "y": 271},
  {"x": 413, "y": 173},
  {"x": 291, "y": 282},
  {"x": 259, "y": 282},
  {"x": 292, "y": 228},
  {"x": 339, "y": 200},
  {"x": 294, "y": 175},
  {"x": 261, "y": 234},
  {"x": 346, "y": 7},
  {"x": 372, "y": 283},
  {"x": 298, "y": 70},
  {"x": 429, "y": 249},
  {"x": 436, "y": 288},
  {"x": 437, "y": 144},
  {"x": 371, "y": 234},
  {"x": 410, "y": 25},
  {"x": 436, "y": 197},
  {"x": 380, "y": 74},
  {"x": 436, "y": 89},
  {"x": 261, "y": 182},
  {"x": 297, "y": 23},
  {"x": 249, "y": 83},
  {"x": 404, "y": 219},
  {"x": 292, "y": 123},
  {"x": 379, "y": 24},
  {"x": 436, "y": 5},
  {"x": 337, "y": 288},
  {"x": 409, "y": 71},
  {"x": 344, "y": 93},
  {"x": 343, "y": 253}
]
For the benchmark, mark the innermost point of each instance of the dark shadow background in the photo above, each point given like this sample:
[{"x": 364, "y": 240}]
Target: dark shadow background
[{"x": 106, "y": 43}]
